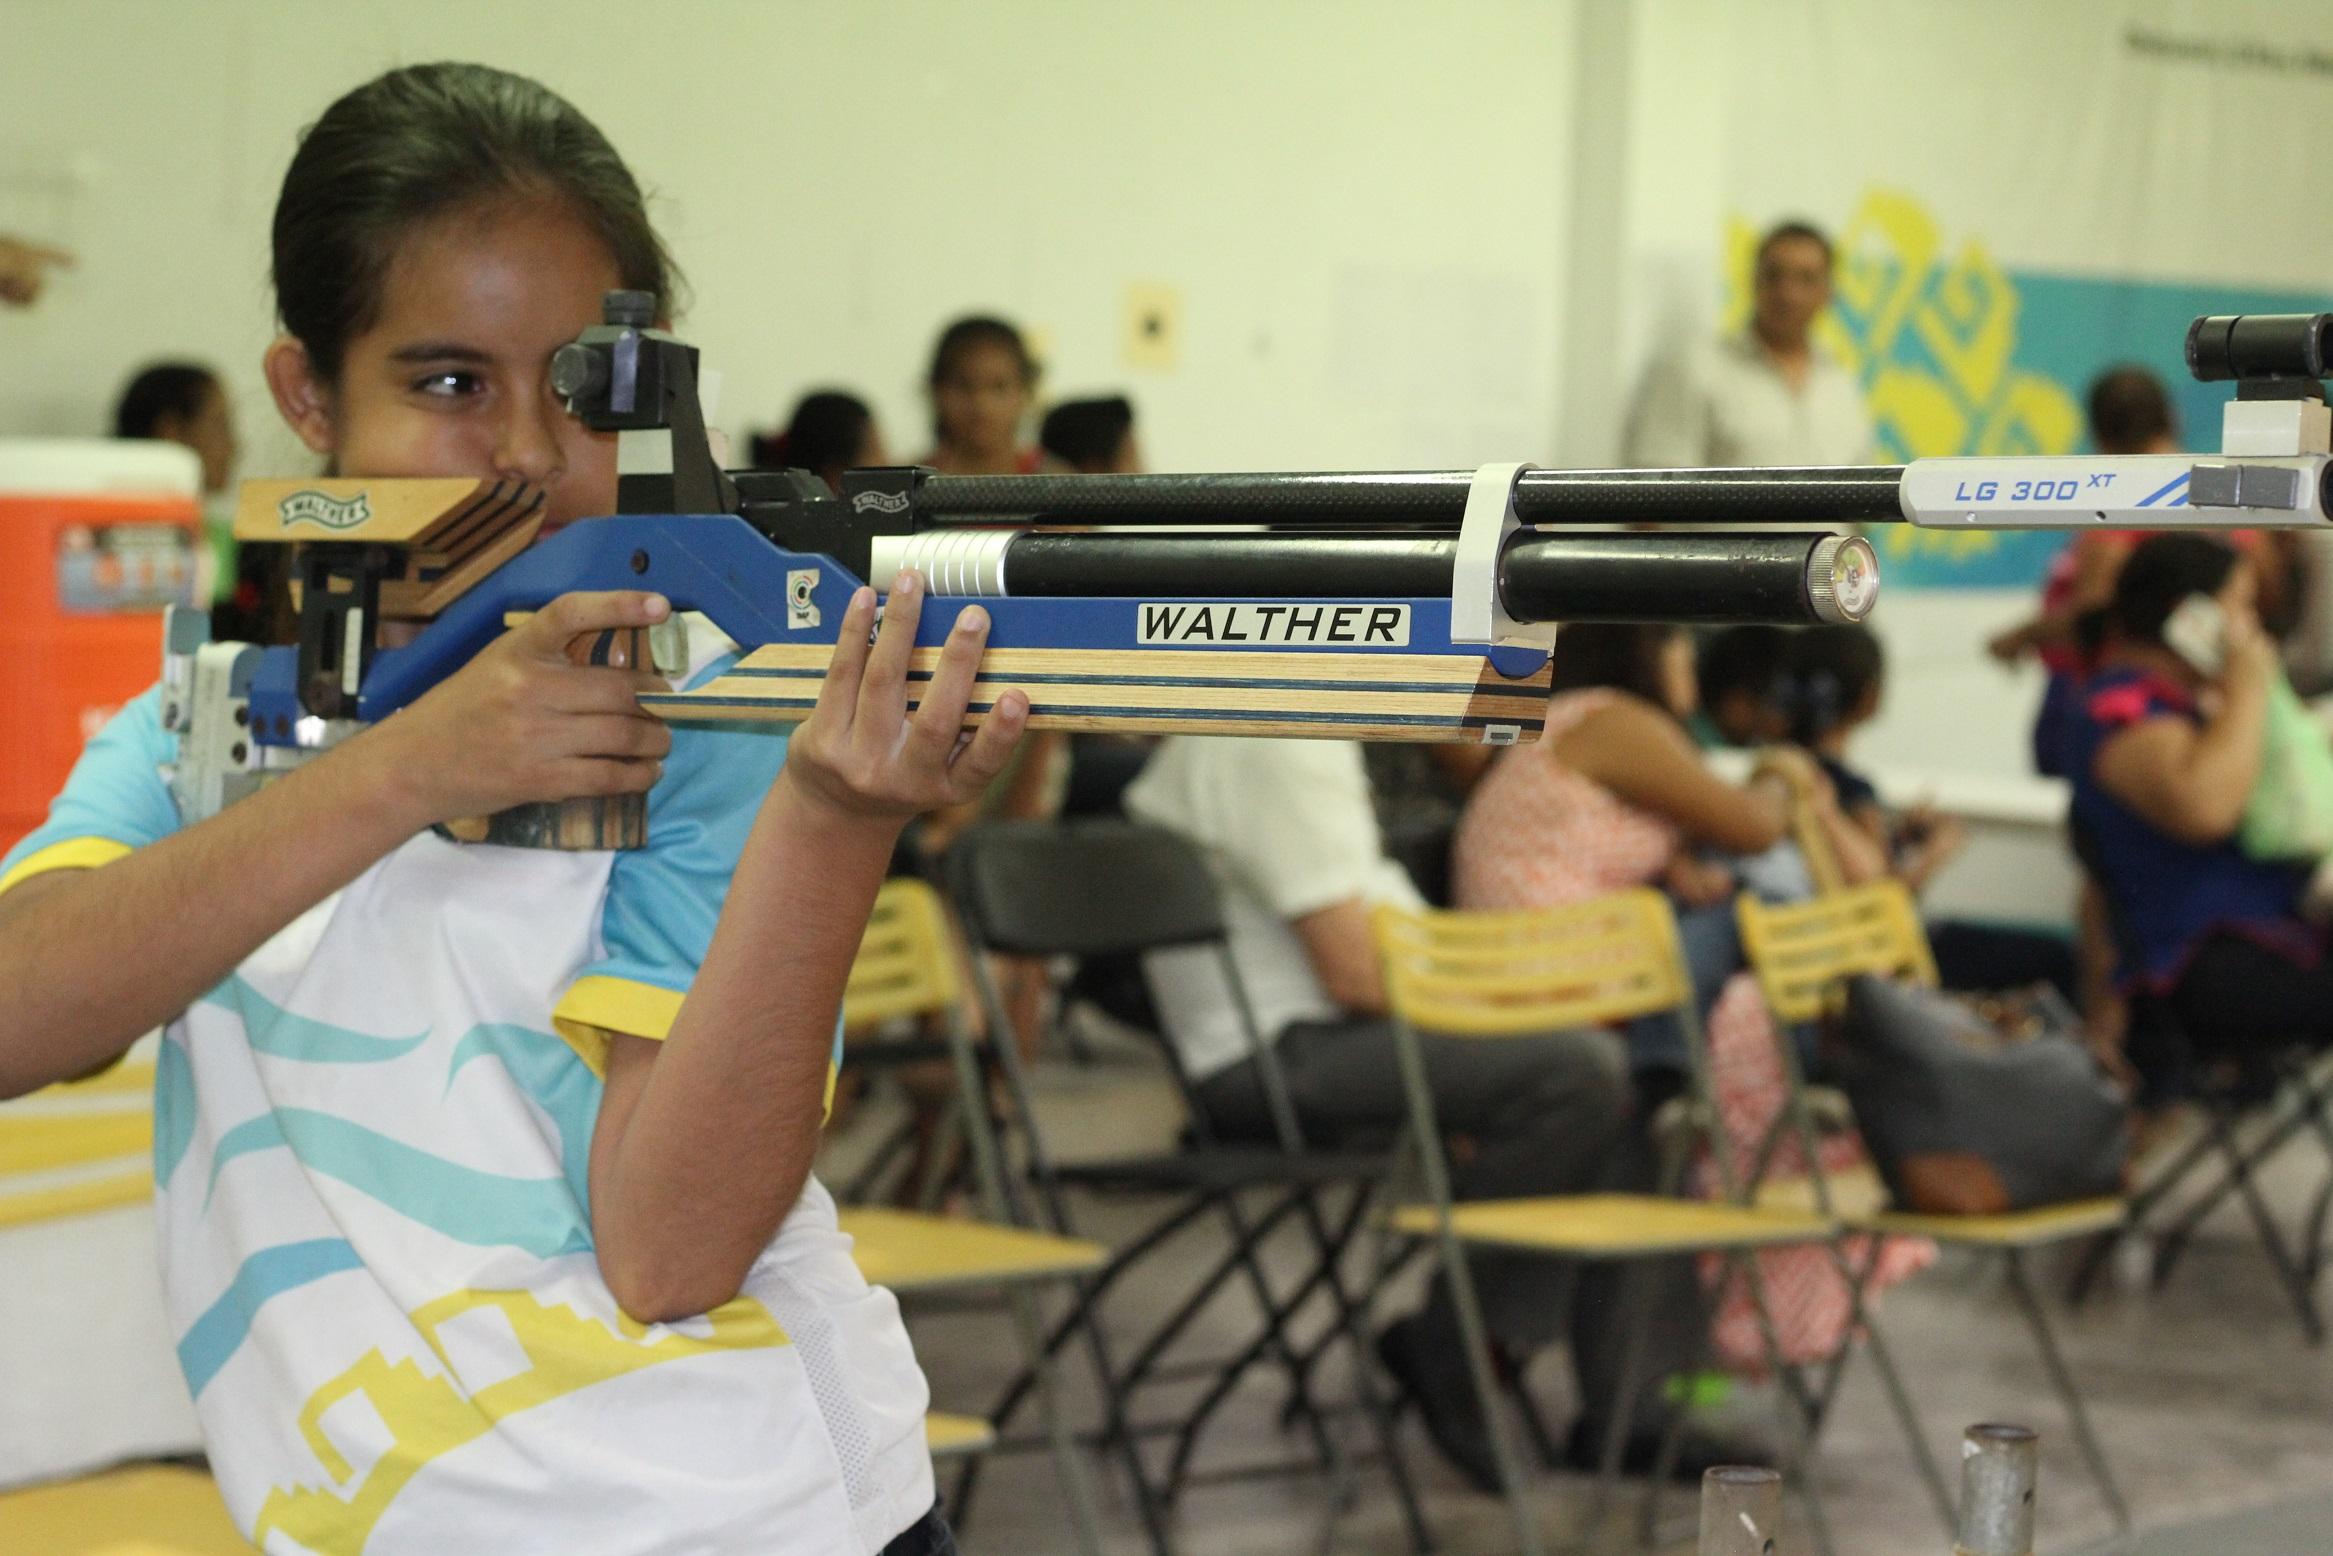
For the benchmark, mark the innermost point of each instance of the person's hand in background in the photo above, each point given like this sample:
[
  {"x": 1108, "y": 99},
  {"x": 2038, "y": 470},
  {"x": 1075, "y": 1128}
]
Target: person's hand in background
[{"x": 24, "y": 268}]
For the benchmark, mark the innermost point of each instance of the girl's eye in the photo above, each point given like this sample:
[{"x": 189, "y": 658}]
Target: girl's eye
[{"x": 451, "y": 384}]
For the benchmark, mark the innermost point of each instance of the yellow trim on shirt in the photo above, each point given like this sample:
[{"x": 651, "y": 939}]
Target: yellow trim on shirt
[
  {"x": 74, "y": 853},
  {"x": 599, "y": 1005}
]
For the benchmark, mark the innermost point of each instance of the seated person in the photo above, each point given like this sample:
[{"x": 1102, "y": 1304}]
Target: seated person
[
  {"x": 830, "y": 431},
  {"x": 1093, "y": 437},
  {"x": 1739, "y": 669},
  {"x": 1615, "y": 795},
  {"x": 1288, "y": 829},
  {"x": 2166, "y": 745},
  {"x": 1833, "y": 681}
]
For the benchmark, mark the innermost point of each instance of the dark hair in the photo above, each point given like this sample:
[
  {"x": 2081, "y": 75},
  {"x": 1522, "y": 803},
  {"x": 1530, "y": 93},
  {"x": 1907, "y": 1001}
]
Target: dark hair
[
  {"x": 827, "y": 429},
  {"x": 417, "y": 143},
  {"x": 1795, "y": 227},
  {"x": 1825, "y": 678},
  {"x": 968, "y": 334},
  {"x": 2160, "y": 572},
  {"x": 1745, "y": 660},
  {"x": 2129, "y": 409},
  {"x": 1625, "y": 657},
  {"x": 1086, "y": 434},
  {"x": 164, "y": 389}
]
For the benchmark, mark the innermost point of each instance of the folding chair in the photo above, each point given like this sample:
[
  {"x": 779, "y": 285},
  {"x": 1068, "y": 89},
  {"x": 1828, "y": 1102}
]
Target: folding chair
[
  {"x": 1111, "y": 888},
  {"x": 1487, "y": 976},
  {"x": 906, "y": 967},
  {"x": 139, "y": 1510},
  {"x": 1803, "y": 956},
  {"x": 2251, "y": 1112}
]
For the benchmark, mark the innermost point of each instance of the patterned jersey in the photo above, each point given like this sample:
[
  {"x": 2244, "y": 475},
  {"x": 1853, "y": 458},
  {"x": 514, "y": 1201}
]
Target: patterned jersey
[{"x": 370, "y": 1153}]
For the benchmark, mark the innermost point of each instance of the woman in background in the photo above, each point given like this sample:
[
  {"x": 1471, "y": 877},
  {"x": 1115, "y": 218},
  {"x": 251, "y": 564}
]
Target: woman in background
[
  {"x": 983, "y": 381},
  {"x": 830, "y": 431},
  {"x": 2165, "y": 748}
]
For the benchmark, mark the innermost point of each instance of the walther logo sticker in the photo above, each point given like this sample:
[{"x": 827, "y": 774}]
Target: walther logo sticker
[
  {"x": 323, "y": 510},
  {"x": 879, "y": 502},
  {"x": 1227, "y": 625}
]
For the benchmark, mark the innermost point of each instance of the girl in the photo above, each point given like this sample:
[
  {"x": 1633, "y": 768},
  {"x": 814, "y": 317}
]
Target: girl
[
  {"x": 483, "y": 1173},
  {"x": 982, "y": 381}
]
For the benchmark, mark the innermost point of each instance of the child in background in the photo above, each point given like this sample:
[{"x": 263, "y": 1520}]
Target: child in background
[
  {"x": 830, "y": 431},
  {"x": 1737, "y": 669},
  {"x": 1093, "y": 437},
  {"x": 184, "y": 403},
  {"x": 1832, "y": 684},
  {"x": 983, "y": 381}
]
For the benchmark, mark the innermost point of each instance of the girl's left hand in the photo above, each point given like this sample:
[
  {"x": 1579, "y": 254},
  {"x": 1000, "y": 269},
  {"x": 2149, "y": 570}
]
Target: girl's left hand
[{"x": 862, "y": 756}]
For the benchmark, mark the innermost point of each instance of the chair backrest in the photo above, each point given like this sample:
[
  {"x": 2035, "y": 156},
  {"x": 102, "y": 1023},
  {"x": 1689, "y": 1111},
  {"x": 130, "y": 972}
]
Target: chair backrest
[
  {"x": 906, "y": 964},
  {"x": 1804, "y": 952},
  {"x": 1097, "y": 888},
  {"x": 1466, "y": 973}
]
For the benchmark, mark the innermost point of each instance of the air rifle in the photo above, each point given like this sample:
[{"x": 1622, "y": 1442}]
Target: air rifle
[{"x": 1376, "y": 606}]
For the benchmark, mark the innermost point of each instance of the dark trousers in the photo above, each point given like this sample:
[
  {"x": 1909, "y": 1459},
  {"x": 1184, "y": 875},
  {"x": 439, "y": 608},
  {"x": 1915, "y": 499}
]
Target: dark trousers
[
  {"x": 2236, "y": 1000},
  {"x": 927, "y": 1536},
  {"x": 1547, "y": 1114}
]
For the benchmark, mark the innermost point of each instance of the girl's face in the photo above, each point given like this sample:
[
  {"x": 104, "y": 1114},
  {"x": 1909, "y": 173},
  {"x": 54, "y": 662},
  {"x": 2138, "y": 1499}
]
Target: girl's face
[
  {"x": 453, "y": 376},
  {"x": 982, "y": 400}
]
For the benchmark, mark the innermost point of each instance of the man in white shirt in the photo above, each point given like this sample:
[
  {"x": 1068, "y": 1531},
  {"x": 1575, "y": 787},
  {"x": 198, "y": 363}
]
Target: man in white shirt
[
  {"x": 1289, "y": 829},
  {"x": 1767, "y": 396}
]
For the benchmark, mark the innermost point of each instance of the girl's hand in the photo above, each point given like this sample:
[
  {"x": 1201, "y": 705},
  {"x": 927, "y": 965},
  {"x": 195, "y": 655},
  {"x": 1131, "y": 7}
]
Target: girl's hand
[
  {"x": 522, "y": 722},
  {"x": 862, "y": 757},
  {"x": 1696, "y": 882}
]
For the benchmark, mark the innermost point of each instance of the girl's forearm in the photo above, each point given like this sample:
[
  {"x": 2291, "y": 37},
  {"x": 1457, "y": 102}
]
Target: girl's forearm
[
  {"x": 90, "y": 960},
  {"x": 717, "y": 1144}
]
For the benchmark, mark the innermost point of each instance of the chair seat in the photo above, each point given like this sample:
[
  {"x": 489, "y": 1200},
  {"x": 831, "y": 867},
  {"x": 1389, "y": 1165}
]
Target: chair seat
[
  {"x": 957, "y": 1437},
  {"x": 1609, "y": 1226},
  {"x": 2015, "y": 1229},
  {"x": 148, "y": 1510},
  {"x": 907, "y": 1251},
  {"x": 1220, "y": 1167}
]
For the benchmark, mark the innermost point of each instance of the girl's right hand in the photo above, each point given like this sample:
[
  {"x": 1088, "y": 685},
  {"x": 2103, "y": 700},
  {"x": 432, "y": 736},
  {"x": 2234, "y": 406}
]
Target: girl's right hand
[{"x": 522, "y": 722}]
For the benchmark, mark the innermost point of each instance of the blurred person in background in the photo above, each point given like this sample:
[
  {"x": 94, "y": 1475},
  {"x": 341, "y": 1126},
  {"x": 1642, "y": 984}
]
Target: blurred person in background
[
  {"x": 2164, "y": 749},
  {"x": 1766, "y": 396},
  {"x": 1739, "y": 669},
  {"x": 830, "y": 431},
  {"x": 185, "y": 403},
  {"x": 983, "y": 381},
  {"x": 1093, "y": 437}
]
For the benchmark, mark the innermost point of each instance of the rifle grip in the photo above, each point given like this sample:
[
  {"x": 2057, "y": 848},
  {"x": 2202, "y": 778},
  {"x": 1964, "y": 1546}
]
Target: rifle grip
[{"x": 586, "y": 822}]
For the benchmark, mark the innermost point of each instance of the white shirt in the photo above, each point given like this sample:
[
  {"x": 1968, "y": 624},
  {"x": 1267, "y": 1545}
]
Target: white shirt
[
  {"x": 1289, "y": 830},
  {"x": 1726, "y": 403},
  {"x": 371, "y": 1151}
]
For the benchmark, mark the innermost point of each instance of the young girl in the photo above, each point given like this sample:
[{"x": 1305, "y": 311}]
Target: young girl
[
  {"x": 486, "y": 1215},
  {"x": 982, "y": 380}
]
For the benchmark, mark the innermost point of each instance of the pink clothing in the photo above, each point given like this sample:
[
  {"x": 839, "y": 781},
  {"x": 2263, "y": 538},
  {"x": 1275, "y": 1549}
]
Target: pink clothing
[{"x": 1536, "y": 834}]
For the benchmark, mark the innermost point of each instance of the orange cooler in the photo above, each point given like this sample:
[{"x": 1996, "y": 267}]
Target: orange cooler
[{"x": 96, "y": 537}]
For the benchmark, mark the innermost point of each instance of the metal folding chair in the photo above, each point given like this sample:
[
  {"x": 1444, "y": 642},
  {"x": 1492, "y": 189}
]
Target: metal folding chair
[
  {"x": 906, "y": 967},
  {"x": 1486, "y": 976},
  {"x": 2251, "y": 1113},
  {"x": 1111, "y": 888},
  {"x": 1803, "y": 956}
]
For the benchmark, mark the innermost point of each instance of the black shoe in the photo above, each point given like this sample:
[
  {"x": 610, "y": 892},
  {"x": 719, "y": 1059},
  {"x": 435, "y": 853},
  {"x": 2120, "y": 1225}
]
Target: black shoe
[
  {"x": 1433, "y": 1376},
  {"x": 1698, "y": 1450}
]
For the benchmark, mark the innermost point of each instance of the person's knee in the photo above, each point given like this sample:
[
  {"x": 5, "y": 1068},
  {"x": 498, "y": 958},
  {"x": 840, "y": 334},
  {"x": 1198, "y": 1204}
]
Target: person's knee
[{"x": 1582, "y": 1075}]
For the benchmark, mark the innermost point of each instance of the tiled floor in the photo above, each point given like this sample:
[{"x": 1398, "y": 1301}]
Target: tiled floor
[{"x": 2208, "y": 1398}]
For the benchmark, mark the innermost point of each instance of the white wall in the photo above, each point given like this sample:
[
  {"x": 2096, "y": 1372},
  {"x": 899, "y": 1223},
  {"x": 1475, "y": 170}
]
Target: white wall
[{"x": 1363, "y": 206}]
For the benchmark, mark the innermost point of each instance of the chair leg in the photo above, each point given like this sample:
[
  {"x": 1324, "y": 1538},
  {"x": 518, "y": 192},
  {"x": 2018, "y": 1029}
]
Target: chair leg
[
  {"x": 2045, "y": 1340},
  {"x": 1799, "y": 1438},
  {"x": 2241, "y": 1177},
  {"x": 1623, "y": 1420},
  {"x": 1899, "y": 1397}
]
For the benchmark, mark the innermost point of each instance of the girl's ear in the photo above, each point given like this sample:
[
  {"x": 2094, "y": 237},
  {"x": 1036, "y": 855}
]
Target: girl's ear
[{"x": 300, "y": 396}]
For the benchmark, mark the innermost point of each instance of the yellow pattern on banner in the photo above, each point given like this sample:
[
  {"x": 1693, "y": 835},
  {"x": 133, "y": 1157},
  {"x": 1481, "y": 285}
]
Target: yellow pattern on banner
[
  {"x": 428, "y": 1416},
  {"x": 1932, "y": 338}
]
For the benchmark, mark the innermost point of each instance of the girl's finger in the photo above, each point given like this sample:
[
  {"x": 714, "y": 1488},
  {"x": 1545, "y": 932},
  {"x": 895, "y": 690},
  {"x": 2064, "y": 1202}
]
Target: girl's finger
[
  {"x": 585, "y": 775},
  {"x": 940, "y": 718},
  {"x": 984, "y": 756},
  {"x": 548, "y": 631},
  {"x": 610, "y": 734},
  {"x": 596, "y": 689},
  {"x": 883, "y": 689},
  {"x": 838, "y": 693}
]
